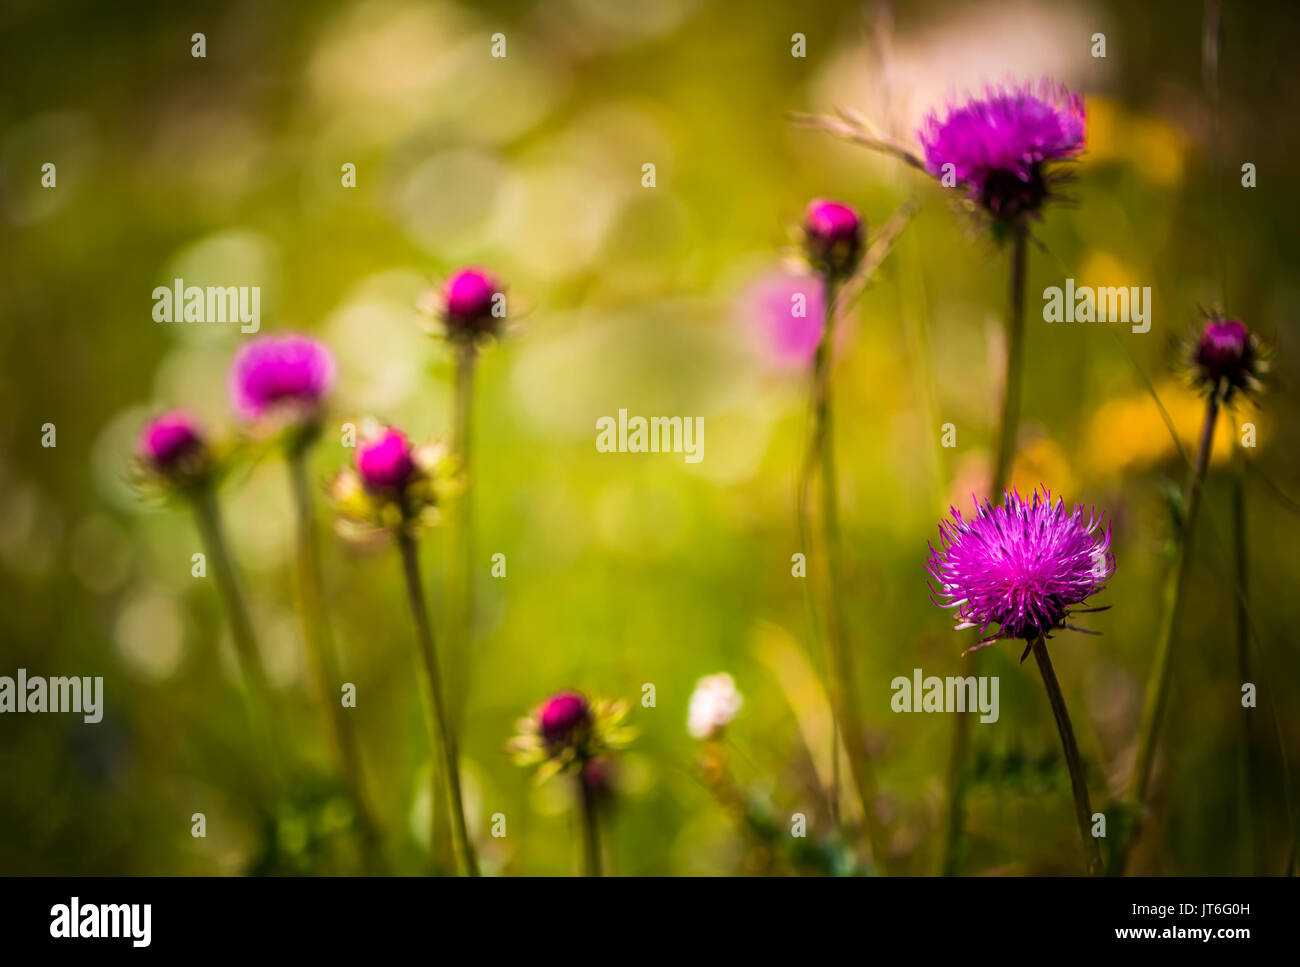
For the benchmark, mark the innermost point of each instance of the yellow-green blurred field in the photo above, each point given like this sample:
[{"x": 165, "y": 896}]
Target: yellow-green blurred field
[{"x": 624, "y": 570}]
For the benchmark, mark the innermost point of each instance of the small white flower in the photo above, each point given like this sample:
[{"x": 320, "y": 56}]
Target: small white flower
[{"x": 714, "y": 703}]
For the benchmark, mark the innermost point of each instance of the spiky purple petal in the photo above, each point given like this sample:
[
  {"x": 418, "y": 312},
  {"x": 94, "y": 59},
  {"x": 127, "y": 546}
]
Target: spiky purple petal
[
  {"x": 998, "y": 142},
  {"x": 1021, "y": 565}
]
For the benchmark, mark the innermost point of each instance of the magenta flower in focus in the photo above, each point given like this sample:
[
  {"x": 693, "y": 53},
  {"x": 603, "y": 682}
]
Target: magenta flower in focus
[
  {"x": 998, "y": 144},
  {"x": 289, "y": 371},
  {"x": 832, "y": 236},
  {"x": 1227, "y": 357},
  {"x": 386, "y": 464},
  {"x": 1021, "y": 565}
]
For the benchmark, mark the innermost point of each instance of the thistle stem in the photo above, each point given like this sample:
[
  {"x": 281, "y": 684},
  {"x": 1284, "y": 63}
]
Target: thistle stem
[
  {"x": 1078, "y": 782},
  {"x": 842, "y": 691},
  {"x": 324, "y": 659},
  {"x": 590, "y": 826},
  {"x": 1158, "y": 684},
  {"x": 803, "y": 516},
  {"x": 1010, "y": 423},
  {"x": 443, "y": 739},
  {"x": 1157, "y": 691},
  {"x": 463, "y": 405},
  {"x": 1007, "y": 433},
  {"x": 261, "y": 705},
  {"x": 1246, "y": 772}
]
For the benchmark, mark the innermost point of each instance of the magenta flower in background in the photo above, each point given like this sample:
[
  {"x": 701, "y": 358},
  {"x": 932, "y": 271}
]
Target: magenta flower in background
[
  {"x": 467, "y": 302},
  {"x": 789, "y": 311},
  {"x": 998, "y": 144},
  {"x": 1227, "y": 355},
  {"x": 562, "y": 717},
  {"x": 601, "y": 778},
  {"x": 168, "y": 440},
  {"x": 1021, "y": 565},
  {"x": 270, "y": 372},
  {"x": 387, "y": 463},
  {"x": 832, "y": 236}
]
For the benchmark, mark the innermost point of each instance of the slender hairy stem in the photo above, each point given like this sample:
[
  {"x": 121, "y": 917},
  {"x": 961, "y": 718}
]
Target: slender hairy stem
[
  {"x": 1246, "y": 771},
  {"x": 955, "y": 791},
  {"x": 1158, "y": 683},
  {"x": 1008, "y": 430},
  {"x": 1009, "y": 425},
  {"x": 324, "y": 660},
  {"x": 444, "y": 741},
  {"x": 1078, "y": 782},
  {"x": 803, "y": 517},
  {"x": 843, "y": 698},
  {"x": 1175, "y": 585},
  {"x": 590, "y": 826},
  {"x": 463, "y": 406},
  {"x": 261, "y": 708}
]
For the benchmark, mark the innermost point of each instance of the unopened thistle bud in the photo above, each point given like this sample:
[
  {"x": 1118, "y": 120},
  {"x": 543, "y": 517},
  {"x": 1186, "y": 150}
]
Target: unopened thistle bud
[
  {"x": 473, "y": 305},
  {"x": 832, "y": 237},
  {"x": 171, "y": 448},
  {"x": 1227, "y": 358}
]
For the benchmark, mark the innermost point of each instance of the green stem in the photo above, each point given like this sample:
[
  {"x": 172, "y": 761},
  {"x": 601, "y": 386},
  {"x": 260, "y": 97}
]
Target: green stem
[
  {"x": 1008, "y": 430},
  {"x": 590, "y": 826},
  {"x": 1158, "y": 684},
  {"x": 1010, "y": 422},
  {"x": 1246, "y": 771},
  {"x": 261, "y": 705},
  {"x": 324, "y": 659},
  {"x": 443, "y": 739},
  {"x": 1078, "y": 782},
  {"x": 463, "y": 406},
  {"x": 1157, "y": 691},
  {"x": 841, "y": 678},
  {"x": 803, "y": 517}
]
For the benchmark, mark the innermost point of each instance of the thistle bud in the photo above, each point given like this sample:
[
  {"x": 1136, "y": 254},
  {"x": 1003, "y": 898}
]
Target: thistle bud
[{"x": 832, "y": 237}]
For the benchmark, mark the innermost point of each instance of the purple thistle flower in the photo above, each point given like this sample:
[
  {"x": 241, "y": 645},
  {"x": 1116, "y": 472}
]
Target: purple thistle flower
[
  {"x": 270, "y": 372},
  {"x": 1021, "y": 565},
  {"x": 386, "y": 464},
  {"x": 998, "y": 144},
  {"x": 169, "y": 439}
]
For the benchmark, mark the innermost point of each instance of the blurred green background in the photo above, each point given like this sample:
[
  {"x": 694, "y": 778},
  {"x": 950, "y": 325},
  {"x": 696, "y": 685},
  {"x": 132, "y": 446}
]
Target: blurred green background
[{"x": 624, "y": 569}]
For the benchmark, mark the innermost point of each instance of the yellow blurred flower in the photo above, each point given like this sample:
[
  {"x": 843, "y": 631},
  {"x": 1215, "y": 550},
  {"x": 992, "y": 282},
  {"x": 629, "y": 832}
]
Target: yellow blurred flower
[
  {"x": 1129, "y": 433},
  {"x": 1155, "y": 148}
]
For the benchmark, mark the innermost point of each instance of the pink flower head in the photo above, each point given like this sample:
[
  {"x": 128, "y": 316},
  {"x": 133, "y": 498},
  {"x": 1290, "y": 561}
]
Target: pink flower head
[
  {"x": 271, "y": 372},
  {"x": 1227, "y": 354},
  {"x": 168, "y": 440},
  {"x": 789, "y": 311},
  {"x": 569, "y": 731},
  {"x": 469, "y": 298},
  {"x": 386, "y": 464},
  {"x": 1020, "y": 566},
  {"x": 998, "y": 143},
  {"x": 563, "y": 718},
  {"x": 832, "y": 236}
]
